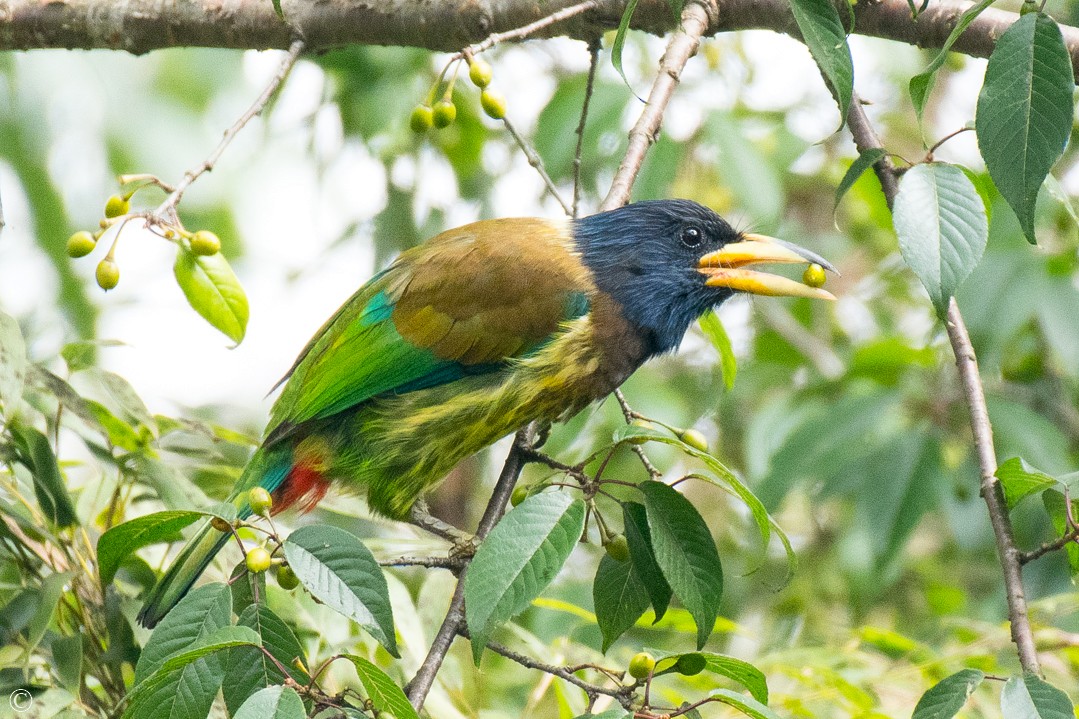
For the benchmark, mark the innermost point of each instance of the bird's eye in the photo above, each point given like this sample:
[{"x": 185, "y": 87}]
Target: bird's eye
[{"x": 691, "y": 237}]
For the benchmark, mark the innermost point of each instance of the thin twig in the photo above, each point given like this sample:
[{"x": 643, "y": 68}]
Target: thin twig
[
  {"x": 682, "y": 46},
  {"x": 865, "y": 137},
  {"x": 454, "y": 564},
  {"x": 420, "y": 517},
  {"x": 593, "y": 63},
  {"x": 534, "y": 27},
  {"x": 168, "y": 207},
  {"x": 941, "y": 141},
  {"x": 630, "y": 415},
  {"x": 536, "y": 162},
  {"x": 1058, "y": 543}
]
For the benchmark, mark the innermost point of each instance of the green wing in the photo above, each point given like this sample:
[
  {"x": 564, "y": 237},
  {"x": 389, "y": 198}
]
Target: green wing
[{"x": 462, "y": 304}]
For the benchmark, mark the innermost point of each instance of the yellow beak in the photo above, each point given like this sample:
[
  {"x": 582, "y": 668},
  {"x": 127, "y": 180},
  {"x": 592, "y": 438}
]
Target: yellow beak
[{"x": 724, "y": 267}]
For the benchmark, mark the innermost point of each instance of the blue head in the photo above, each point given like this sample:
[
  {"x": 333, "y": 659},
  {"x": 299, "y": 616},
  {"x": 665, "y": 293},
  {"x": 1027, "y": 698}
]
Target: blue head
[{"x": 667, "y": 262}]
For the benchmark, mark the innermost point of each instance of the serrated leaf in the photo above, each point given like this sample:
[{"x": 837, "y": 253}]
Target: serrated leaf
[
  {"x": 620, "y": 38},
  {"x": 1024, "y": 115},
  {"x": 1019, "y": 480},
  {"x": 713, "y": 329},
  {"x": 49, "y": 487},
  {"x": 922, "y": 84},
  {"x": 272, "y": 703},
  {"x": 248, "y": 669},
  {"x": 619, "y": 597},
  {"x": 643, "y": 557},
  {"x": 823, "y": 34},
  {"x": 940, "y": 220},
  {"x": 119, "y": 542},
  {"x": 383, "y": 692},
  {"x": 520, "y": 557},
  {"x": 945, "y": 698},
  {"x": 213, "y": 291},
  {"x": 342, "y": 573},
  {"x": 199, "y": 614},
  {"x": 1030, "y": 697},
  {"x": 865, "y": 160},
  {"x": 740, "y": 671},
  {"x": 747, "y": 705},
  {"x": 686, "y": 553},
  {"x": 12, "y": 364}
]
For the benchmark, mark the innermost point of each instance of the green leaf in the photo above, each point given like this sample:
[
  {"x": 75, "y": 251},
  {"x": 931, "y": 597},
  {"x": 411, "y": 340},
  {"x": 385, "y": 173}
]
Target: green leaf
[
  {"x": 383, "y": 692},
  {"x": 342, "y": 573},
  {"x": 248, "y": 669},
  {"x": 942, "y": 228},
  {"x": 713, "y": 329},
  {"x": 823, "y": 34},
  {"x": 121, "y": 397},
  {"x": 185, "y": 684},
  {"x": 686, "y": 553},
  {"x": 1024, "y": 115},
  {"x": 740, "y": 671},
  {"x": 1030, "y": 697},
  {"x": 52, "y": 588},
  {"x": 945, "y": 698},
  {"x": 12, "y": 364},
  {"x": 1019, "y": 480},
  {"x": 67, "y": 662},
  {"x": 1058, "y": 515},
  {"x": 213, "y": 291},
  {"x": 118, "y": 543},
  {"x": 277, "y": 9},
  {"x": 922, "y": 84},
  {"x": 612, "y": 713},
  {"x": 36, "y": 453},
  {"x": 863, "y": 162},
  {"x": 643, "y": 556},
  {"x": 520, "y": 557},
  {"x": 620, "y": 38},
  {"x": 199, "y": 614},
  {"x": 272, "y": 703},
  {"x": 747, "y": 705},
  {"x": 619, "y": 597}
]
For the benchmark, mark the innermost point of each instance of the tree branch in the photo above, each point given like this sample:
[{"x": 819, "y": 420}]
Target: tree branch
[{"x": 1010, "y": 556}]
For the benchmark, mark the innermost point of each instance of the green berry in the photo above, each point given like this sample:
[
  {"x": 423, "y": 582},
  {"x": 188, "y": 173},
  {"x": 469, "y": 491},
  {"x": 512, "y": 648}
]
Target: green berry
[
  {"x": 479, "y": 72},
  {"x": 642, "y": 424},
  {"x": 258, "y": 560},
  {"x": 220, "y": 524},
  {"x": 205, "y": 242},
  {"x": 444, "y": 113},
  {"x": 422, "y": 119},
  {"x": 617, "y": 547},
  {"x": 694, "y": 439},
  {"x": 814, "y": 276},
  {"x": 520, "y": 494},
  {"x": 493, "y": 104},
  {"x": 641, "y": 665},
  {"x": 107, "y": 274},
  {"x": 260, "y": 501},
  {"x": 80, "y": 244},
  {"x": 690, "y": 664},
  {"x": 286, "y": 578},
  {"x": 116, "y": 206}
]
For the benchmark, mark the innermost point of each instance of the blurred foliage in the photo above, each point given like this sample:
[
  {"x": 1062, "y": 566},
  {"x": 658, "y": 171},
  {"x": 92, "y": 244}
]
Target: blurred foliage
[{"x": 846, "y": 420}]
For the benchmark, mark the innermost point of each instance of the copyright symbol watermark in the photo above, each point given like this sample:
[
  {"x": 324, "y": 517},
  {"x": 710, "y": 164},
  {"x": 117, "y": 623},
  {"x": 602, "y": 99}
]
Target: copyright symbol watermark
[{"x": 20, "y": 700}]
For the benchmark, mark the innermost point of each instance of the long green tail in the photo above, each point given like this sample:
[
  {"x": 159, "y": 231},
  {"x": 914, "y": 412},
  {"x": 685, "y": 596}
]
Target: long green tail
[{"x": 267, "y": 469}]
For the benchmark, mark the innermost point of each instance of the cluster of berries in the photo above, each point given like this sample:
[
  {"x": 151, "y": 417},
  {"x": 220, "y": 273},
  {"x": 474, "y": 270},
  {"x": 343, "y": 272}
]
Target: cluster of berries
[{"x": 442, "y": 113}]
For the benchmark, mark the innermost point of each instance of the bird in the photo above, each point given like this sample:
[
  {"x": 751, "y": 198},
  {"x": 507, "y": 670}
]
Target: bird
[{"x": 472, "y": 335}]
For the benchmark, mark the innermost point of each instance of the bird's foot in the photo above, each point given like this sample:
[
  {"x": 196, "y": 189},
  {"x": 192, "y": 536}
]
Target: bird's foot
[{"x": 465, "y": 547}]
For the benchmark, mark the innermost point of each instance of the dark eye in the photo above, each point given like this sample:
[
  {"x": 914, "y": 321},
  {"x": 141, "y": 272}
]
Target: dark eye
[{"x": 691, "y": 237}]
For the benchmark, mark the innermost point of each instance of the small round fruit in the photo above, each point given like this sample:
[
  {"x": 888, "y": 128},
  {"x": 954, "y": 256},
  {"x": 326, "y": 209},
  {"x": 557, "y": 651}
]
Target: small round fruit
[
  {"x": 617, "y": 547},
  {"x": 520, "y": 494},
  {"x": 421, "y": 119},
  {"x": 107, "y": 274},
  {"x": 220, "y": 524},
  {"x": 444, "y": 113},
  {"x": 260, "y": 501},
  {"x": 694, "y": 439},
  {"x": 493, "y": 104},
  {"x": 641, "y": 665},
  {"x": 690, "y": 664},
  {"x": 205, "y": 242},
  {"x": 814, "y": 276},
  {"x": 80, "y": 244},
  {"x": 642, "y": 424},
  {"x": 258, "y": 560},
  {"x": 116, "y": 206},
  {"x": 479, "y": 72},
  {"x": 286, "y": 578}
]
